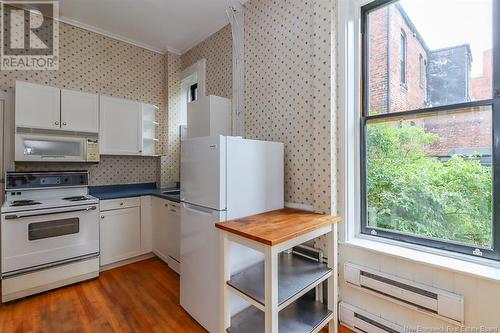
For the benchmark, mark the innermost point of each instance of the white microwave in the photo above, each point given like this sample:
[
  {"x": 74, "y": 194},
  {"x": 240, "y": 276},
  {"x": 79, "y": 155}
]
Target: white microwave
[{"x": 31, "y": 147}]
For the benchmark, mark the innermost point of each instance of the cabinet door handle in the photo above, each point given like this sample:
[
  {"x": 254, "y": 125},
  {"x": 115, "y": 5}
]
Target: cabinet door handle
[
  {"x": 64, "y": 124},
  {"x": 102, "y": 217},
  {"x": 173, "y": 211},
  {"x": 121, "y": 203},
  {"x": 56, "y": 123}
]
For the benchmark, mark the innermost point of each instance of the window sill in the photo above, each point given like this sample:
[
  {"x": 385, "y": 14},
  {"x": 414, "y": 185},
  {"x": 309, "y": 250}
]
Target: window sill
[{"x": 457, "y": 263}]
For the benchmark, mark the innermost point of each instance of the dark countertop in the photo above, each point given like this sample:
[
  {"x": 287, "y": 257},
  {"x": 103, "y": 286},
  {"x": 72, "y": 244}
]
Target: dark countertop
[{"x": 108, "y": 192}]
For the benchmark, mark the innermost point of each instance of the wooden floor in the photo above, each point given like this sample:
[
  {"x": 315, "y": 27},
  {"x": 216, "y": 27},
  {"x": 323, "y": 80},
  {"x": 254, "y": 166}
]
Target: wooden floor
[{"x": 141, "y": 297}]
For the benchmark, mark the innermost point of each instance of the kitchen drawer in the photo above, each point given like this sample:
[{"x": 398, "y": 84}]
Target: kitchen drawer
[{"x": 120, "y": 203}]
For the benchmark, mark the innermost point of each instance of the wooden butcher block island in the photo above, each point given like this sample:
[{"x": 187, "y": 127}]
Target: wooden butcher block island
[{"x": 279, "y": 288}]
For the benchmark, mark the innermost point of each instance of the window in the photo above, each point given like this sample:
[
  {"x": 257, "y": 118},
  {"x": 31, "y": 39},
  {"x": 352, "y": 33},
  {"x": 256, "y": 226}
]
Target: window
[
  {"x": 422, "y": 71},
  {"x": 403, "y": 57},
  {"x": 429, "y": 159},
  {"x": 193, "y": 92},
  {"x": 192, "y": 86}
]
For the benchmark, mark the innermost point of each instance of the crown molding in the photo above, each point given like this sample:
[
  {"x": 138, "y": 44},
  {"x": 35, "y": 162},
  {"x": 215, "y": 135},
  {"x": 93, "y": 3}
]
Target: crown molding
[
  {"x": 121, "y": 38},
  {"x": 103, "y": 32}
]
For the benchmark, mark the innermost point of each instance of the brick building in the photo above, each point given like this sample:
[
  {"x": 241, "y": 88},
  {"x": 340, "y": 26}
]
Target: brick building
[
  {"x": 482, "y": 86},
  {"x": 398, "y": 61},
  {"x": 405, "y": 74}
]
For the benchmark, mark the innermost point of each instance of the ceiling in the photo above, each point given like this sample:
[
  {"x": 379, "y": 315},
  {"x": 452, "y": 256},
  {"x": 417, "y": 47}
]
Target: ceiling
[{"x": 158, "y": 25}]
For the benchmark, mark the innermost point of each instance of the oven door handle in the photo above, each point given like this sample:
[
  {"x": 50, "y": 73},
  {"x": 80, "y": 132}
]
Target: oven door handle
[{"x": 19, "y": 216}]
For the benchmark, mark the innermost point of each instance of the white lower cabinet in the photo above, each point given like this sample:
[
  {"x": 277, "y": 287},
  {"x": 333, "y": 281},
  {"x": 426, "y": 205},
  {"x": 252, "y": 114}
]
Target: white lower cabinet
[
  {"x": 160, "y": 228},
  {"x": 174, "y": 236},
  {"x": 131, "y": 227},
  {"x": 120, "y": 236},
  {"x": 146, "y": 225},
  {"x": 166, "y": 232}
]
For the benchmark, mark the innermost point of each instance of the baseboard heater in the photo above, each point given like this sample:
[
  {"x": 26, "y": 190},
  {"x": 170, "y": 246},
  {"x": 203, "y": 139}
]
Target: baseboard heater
[
  {"x": 360, "y": 320},
  {"x": 437, "y": 302}
]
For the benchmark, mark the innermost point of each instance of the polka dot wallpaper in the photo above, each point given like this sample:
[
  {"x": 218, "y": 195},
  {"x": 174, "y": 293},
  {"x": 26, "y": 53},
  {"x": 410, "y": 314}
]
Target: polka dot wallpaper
[
  {"x": 170, "y": 162},
  {"x": 288, "y": 77},
  {"x": 218, "y": 51},
  {"x": 111, "y": 170},
  {"x": 95, "y": 63}
]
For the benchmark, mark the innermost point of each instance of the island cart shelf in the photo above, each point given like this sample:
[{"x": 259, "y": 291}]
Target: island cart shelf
[{"x": 278, "y": 287}]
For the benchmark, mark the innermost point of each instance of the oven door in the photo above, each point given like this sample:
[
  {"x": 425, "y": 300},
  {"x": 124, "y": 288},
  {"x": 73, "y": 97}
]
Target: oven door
[
  {"x": 36, "y": 238},
  {"x": 50, "y": 148}
]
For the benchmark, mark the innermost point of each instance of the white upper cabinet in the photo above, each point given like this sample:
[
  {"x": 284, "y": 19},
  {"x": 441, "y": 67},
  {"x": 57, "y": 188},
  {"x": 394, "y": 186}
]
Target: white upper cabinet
[
  {"x": 149, "y": 129},
  {"x": 125, "y": 127},
  {"x": 37, "y": 106},
  {"x": 120, "y": 126},
  {"x": 79, "y": 111}
]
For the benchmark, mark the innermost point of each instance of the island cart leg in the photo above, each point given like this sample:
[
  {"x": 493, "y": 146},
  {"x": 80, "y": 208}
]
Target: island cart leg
[
  {"x": 271, "y": 289},
  {"x": 225, "y": 275},
  {"x": 332, "y": 280}
]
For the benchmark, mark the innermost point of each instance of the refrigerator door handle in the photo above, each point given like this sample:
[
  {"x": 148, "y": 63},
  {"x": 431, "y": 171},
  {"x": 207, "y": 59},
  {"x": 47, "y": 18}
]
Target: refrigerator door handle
[{"x": 198, "y": 209}]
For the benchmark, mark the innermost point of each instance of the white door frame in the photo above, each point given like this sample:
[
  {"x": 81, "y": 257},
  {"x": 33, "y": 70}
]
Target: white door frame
[
  {"x": 199, "y": 71},
  {"x": 196, "y": 73}
]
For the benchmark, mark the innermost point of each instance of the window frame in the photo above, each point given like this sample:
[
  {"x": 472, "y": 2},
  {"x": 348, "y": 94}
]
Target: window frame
[
  {"x": 494, "y": 102},
  {"x": 403, "y": 61},
  {"x": 422, "y": 71}
]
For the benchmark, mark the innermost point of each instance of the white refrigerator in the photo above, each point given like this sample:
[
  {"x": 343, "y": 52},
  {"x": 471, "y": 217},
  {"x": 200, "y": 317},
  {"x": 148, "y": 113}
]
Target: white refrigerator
[{"x": 222, "y": 178}]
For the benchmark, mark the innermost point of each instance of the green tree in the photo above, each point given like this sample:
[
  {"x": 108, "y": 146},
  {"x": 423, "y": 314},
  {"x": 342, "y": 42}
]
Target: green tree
[{"x": 411, "y": 192}]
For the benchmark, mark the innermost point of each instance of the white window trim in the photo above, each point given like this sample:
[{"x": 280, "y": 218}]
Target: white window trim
[
  {"x": 349, "y": 117},
  {"x": 195, "y": 73},
  {"x": 200, "y": 69}
]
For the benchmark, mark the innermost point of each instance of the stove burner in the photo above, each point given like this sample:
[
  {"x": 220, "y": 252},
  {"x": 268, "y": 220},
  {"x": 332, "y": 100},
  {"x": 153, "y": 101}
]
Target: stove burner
[
  {"x": 78, "y": 198},
  {"x": 18, "y": 203}
]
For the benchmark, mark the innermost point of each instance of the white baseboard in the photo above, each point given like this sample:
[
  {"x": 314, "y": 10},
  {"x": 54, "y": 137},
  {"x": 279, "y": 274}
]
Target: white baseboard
[{"x": 127, "y": 261}]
